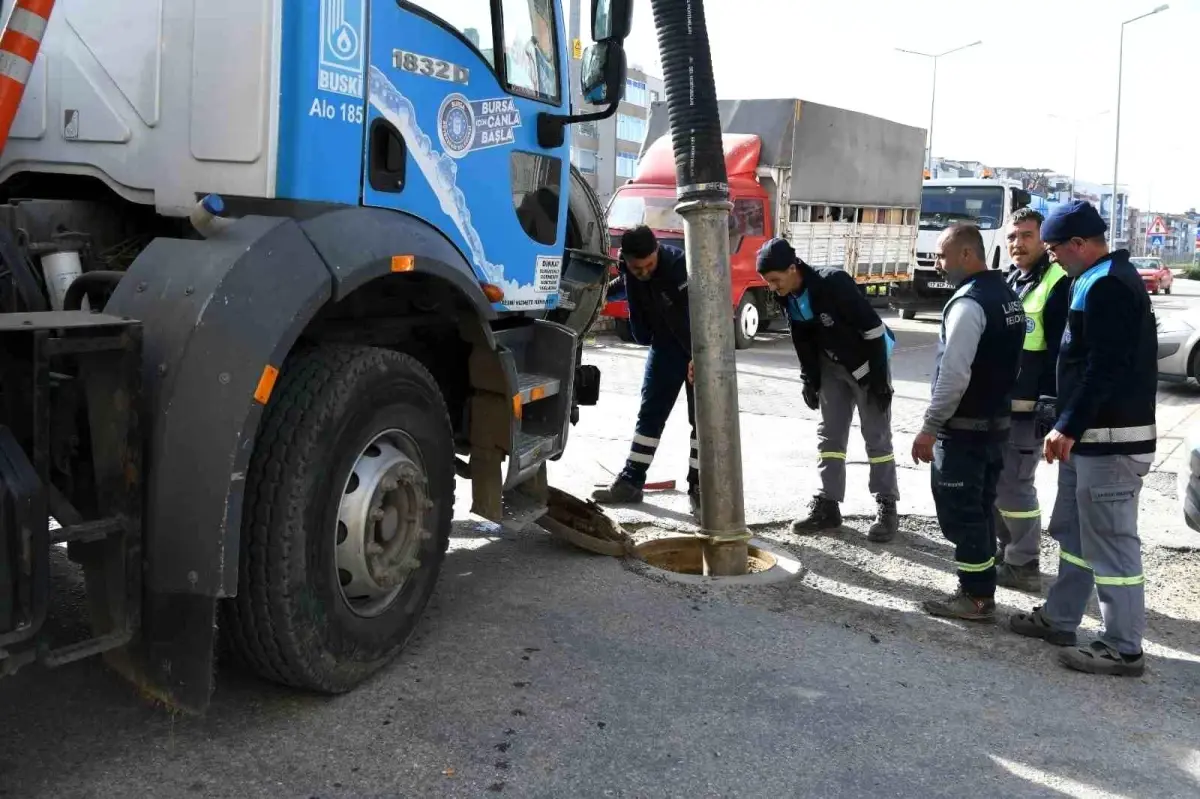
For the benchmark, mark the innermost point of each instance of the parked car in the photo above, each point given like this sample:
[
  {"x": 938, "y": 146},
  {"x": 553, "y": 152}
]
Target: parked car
[
  {"x": 1189, "y": 482},
  {"x": 1155, "y": 274},
  {"x": 1178, "y": 353}
]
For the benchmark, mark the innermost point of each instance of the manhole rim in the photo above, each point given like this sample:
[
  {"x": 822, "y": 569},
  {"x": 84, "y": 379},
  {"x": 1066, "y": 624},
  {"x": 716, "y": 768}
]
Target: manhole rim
[{"x": 786, "y": 567}]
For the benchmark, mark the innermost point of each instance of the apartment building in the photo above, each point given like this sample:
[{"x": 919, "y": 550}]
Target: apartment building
[{"x": 606, "y": 152}]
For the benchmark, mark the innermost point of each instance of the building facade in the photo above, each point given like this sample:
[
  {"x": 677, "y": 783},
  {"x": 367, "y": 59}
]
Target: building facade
[
  {"x": 1169, "y": 236},
  {"x": 606, "y": 152}
]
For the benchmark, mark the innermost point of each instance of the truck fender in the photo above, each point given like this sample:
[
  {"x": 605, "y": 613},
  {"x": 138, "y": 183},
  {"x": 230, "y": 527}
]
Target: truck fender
[
  {"x": 219, "y": 317},
  {"x": 358, "y": 245}
]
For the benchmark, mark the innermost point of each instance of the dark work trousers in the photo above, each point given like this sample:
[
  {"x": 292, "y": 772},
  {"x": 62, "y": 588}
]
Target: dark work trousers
[
  {"x": 964, "y": 477},
  {"x": 666, "y": 373}
]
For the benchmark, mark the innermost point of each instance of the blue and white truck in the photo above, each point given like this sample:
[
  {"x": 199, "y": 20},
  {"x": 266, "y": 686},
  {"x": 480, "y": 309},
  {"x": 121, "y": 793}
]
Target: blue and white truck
[{"x": 274, "y": 272}]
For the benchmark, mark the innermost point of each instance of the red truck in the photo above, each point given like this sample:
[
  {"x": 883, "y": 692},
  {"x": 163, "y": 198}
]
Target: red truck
[{"x": 843, "y": 187}]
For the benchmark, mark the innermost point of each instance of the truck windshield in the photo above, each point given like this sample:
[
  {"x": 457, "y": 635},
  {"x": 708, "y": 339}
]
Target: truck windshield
[
  {"x": 630, "y": 210},
  {"x": 943, "y": 206}
]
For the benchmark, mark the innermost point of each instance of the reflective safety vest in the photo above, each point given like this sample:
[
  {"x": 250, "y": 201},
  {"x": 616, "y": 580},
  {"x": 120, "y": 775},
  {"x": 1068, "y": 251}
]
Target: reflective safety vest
[{"x": 1035, "y": 304}]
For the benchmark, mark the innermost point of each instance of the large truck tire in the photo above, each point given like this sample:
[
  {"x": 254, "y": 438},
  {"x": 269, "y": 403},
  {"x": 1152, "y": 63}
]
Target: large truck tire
[
  {"x": 908, "y": 314},
  {"x": 746, "y": 321},
  {"x": 348, "y": 504}
]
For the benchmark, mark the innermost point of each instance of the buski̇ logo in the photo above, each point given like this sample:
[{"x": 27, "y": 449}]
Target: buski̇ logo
[{"x": 456, "y": 125}]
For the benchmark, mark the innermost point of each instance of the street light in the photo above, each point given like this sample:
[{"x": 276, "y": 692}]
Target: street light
[
  {"x": 933, "y": 95},
  {"x": 1075, "y": 159},
  {"x": 1112, "y": 217}
]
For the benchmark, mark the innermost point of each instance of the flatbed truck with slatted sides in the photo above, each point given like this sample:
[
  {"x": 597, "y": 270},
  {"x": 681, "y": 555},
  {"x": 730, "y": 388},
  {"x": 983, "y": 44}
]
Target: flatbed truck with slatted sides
[
  {"x": 274, "y": 274},
  {"x": 843, "y": 187}
]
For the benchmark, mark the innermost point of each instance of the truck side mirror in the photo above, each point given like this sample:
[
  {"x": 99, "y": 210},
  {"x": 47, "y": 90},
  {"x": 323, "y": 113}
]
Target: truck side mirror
[
  {"x": 602, "y": 76},
  {"x": 1021, "y": 199},
  {"x": 611, "y": 20}
]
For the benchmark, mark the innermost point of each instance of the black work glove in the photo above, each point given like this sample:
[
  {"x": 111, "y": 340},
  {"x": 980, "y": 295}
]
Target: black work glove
[
  {"x": 812, "y": 396},
  {"x": 1045, "y": 415},
  {"x": 879, "y": 389}
]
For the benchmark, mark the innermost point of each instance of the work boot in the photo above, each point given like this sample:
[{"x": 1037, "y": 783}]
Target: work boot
[
  {"x": 824, "y": 516},
  {"x": 1036, "y": 625},
  {"x": 694, "y": 500},
  {"x": 1026, "y": 578},
  {"x": 960, "y": 605},
  {"x": 1100, "y": 658},
  {"x": 621, "y": 492},
  {"x": 887, "y": 521}
]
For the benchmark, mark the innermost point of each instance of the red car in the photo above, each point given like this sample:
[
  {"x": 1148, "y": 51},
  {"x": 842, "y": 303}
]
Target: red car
[{"x": 1155, "y": 274}]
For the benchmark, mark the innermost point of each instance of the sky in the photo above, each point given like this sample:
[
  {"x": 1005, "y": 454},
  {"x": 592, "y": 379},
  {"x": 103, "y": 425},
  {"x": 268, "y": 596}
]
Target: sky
[{"x": 995, "y": 100}]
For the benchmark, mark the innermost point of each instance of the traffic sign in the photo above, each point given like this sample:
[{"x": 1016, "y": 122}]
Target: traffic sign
[
  {"x": 1156, "y": 241},
  {"x": 1158, "y": 228}
]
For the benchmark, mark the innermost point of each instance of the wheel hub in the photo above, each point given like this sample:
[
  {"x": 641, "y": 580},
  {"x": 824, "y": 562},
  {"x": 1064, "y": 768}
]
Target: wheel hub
[
  {"x": 750, "y": 320},
  {"x": 380, "y": 524}
]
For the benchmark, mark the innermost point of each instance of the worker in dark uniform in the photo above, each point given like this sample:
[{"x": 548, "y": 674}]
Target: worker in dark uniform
[
  {"x": 969, "y": 415},
  {"x": 844, "y": 351},
  {"x": 1039, "y": 284},
  {"x": 658, "y": 316},
  {"x": 1104, "y": 441}
]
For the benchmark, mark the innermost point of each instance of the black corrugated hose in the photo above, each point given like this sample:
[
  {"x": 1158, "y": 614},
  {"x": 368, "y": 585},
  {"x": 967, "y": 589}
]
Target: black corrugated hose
[{"x": 691, "y": 99}]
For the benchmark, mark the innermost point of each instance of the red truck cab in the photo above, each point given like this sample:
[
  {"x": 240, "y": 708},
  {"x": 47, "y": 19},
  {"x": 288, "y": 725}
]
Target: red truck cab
[{"x": 649, "y": 199}]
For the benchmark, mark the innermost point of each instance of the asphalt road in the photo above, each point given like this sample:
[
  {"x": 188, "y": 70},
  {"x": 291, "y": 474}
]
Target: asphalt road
[{"x": 540, "y": 671}]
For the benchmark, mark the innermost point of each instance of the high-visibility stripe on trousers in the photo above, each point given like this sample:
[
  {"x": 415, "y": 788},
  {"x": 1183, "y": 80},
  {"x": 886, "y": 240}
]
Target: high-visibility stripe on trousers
[
  {"x": 1095, "y": 523},
  {"x": 840, "y": 394},
  {"x": 1019, "y": 528},
  {"x": 963, "y": 479},
  {"x": 19, "y": 45},
  {"x": 665, "y": 375}
]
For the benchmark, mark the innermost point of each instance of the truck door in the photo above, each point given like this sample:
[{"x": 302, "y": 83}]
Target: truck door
[{"x": 454, "y": 88}]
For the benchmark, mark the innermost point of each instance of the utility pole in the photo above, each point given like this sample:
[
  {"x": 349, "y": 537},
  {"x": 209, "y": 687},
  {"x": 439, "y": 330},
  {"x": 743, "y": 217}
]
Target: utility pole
[
  {"x": 933, "y": 94},
  {"x": 1077, "y": 121},
  {"x": 1112, "y": 218},
  {"x": 703, "y": 193}
]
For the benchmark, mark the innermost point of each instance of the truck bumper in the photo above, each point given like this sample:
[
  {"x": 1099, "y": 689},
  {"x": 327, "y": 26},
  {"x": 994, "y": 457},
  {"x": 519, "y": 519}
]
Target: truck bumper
[{"x": 916, "y": 296}]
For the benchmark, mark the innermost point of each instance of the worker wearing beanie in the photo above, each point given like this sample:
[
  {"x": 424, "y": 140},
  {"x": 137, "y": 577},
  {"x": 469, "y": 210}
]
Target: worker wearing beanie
[
  {"x": 844, "y": 350},
  {"x": 969, "y": 416},
  {"x": 1104, "y": 441},
  {"x": 653, "y": 277},
  {"x": 1040, "y": 286}
]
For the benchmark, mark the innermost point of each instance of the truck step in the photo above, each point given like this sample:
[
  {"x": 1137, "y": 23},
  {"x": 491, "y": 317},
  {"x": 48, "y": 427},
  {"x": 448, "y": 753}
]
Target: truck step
[
  {"x": 532, "y": 449},
  {"x": 534, "y": 387},
  {"x": 520, "y": 510}
]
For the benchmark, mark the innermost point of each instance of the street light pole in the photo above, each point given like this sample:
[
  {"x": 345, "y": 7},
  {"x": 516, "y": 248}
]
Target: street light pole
[
  {"x": 933, "y": 94},
  {"x": 1112, "y": 217},
  {"x": 1075, "y": 155}
]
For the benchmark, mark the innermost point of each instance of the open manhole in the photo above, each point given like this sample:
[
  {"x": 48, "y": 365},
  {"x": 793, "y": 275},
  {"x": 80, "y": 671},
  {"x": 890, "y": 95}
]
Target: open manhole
[{"x": 681, "y": 559}]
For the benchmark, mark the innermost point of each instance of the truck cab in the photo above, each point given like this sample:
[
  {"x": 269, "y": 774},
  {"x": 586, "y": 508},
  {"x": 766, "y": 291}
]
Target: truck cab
[
  {"x": 649, "y": 199},
  {"x": 983, "y": 202},
  {"x": 274, "y": 274}
]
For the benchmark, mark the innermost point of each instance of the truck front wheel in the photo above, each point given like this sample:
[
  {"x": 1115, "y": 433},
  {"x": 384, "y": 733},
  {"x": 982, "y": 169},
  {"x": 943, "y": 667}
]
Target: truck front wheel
[
  {"x": 746, "y": 321},
  {"x": 348, "y": 504}
]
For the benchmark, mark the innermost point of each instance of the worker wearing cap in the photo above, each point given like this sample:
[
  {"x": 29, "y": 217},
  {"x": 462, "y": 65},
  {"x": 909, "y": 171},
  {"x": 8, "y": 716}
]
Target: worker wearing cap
[
  {"x": 658, "y": 316},
  {"x": 844, "y": 351},
  {"x": 1104, "y": 441},
  {"x": 1039, "y": 284},
  {"x": 969, "y": 416}
]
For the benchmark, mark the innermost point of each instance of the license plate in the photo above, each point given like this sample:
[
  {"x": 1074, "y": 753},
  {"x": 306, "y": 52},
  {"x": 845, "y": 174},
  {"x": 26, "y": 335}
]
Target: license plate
[{"x": 939, "y": 284}]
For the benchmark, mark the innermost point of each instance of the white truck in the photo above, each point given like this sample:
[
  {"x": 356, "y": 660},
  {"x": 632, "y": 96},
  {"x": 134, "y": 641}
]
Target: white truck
[{"x": 984, "y": 202}]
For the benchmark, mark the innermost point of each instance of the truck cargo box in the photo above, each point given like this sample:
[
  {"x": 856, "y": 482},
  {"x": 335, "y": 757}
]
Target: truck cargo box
[
  {"x": 844, "y": 187},
  {"x": 160, "y": 99}
]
